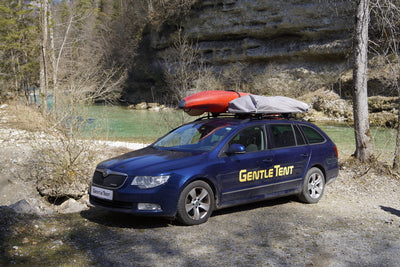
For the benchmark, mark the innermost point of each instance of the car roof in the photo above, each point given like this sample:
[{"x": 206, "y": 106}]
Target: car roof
[{"x": 250, "y": 120}]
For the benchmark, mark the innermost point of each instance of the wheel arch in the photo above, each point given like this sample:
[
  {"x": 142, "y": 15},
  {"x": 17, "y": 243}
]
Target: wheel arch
[
  {"x": 321, "y": 168},
  {"x": 312, "y": 190},
  {"x": 193, "y": 212},
  {"x": 209, "y": 182}
]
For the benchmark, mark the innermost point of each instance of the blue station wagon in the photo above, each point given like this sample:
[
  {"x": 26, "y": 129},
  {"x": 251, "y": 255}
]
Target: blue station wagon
[{"x": 213, "y": 163}]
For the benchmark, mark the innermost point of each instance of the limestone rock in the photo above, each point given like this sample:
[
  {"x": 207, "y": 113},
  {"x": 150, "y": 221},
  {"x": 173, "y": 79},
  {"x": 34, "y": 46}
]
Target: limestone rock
[
  {"x": 330, "y": 104},
  {"x": 22, "y": 206},
  {"x": 289, "y": 34},
  {"x": 141, "y": 106},
  {"x": 71, "y": 206},
  {"x": 259, "y": 30},
  {"x": 381, "y": 103},
  {"x": 31, "y": 206}
]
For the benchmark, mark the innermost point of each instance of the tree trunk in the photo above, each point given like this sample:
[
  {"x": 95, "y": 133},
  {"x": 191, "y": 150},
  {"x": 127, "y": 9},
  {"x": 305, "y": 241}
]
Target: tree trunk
[
  {"x": 43, "y": 67},
  {"x": 396, "y": 160},
  {"x": 360, "y": 93},
  {"x": 54, "y": 65}
]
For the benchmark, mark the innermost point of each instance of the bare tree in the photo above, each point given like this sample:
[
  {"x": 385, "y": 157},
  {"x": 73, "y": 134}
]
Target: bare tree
[
  {"x": 76, "y": 71},
  {"x": 182, "y": 66},
  {"x": 43, "y": 59},
  {"x": 158, "y": 11},
  {"x": 360, "y": 93},
  {"x": 79, "y": 68}
]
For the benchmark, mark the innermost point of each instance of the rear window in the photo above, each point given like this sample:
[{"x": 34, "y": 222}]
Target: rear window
[{"x": 312, "y": 135}]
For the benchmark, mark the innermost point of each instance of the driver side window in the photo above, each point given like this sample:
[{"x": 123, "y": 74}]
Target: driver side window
[{"x": 252, "y": 138}]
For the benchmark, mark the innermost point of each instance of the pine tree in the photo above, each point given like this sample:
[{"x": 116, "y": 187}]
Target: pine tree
[{"x": 19, "y": 48}]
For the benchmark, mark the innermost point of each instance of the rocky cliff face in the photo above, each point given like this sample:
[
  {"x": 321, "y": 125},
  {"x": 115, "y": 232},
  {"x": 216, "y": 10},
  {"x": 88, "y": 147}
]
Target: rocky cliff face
[
  {"x": 307, "y": 34},
  {"x": 267, "y": 30}
]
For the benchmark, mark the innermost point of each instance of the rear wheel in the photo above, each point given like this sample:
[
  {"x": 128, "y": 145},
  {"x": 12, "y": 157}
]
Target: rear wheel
[
  {"x": 195, "y": 203},
  {"x": 313, "y": 186}
]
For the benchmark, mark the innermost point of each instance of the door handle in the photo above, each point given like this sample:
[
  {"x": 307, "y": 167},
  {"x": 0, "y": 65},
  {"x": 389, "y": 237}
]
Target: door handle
[
  {"x": 304, "y": 155},
  {"x": 268, "y": 160}
]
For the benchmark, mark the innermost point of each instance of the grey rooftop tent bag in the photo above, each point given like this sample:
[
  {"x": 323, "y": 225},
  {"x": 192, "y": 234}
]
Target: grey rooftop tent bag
[{"x": 266, "y": 105}]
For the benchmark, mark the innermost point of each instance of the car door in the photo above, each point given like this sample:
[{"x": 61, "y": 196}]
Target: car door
[
  {"x": 291, "y": 156},
  {"x": 244, "y": 176}
]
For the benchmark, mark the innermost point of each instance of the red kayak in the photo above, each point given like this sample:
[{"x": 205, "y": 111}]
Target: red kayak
[{"x": 208, "y": 101}]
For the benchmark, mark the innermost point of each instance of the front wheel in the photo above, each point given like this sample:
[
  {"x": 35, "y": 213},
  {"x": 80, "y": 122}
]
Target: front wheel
[
  {"x": 313, "y": 186},
  {"x": 195, "y": 203}
]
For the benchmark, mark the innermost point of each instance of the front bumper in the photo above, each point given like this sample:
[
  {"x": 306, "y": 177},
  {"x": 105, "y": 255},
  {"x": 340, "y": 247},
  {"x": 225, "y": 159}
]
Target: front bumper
[{"x": 126, "y": 200}]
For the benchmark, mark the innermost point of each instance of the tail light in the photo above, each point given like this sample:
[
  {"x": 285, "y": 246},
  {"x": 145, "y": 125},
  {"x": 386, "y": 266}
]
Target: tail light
[{"x": 336, "y": 151}]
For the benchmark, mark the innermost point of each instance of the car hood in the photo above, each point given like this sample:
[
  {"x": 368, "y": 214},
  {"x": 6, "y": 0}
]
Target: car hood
[{"x": 151, "y": 161}]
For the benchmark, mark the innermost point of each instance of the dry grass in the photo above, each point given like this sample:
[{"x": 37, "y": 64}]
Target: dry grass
[
  {"x": 61, "y": 161},
  {"x": 24, "y": 117},
  {"x": 291, "y": 82},
  {"x": 272, "y": 80}
]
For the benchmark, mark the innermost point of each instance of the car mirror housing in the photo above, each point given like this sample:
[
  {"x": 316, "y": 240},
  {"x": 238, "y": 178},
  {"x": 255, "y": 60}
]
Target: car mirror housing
[{"x": 236, "y": 149}]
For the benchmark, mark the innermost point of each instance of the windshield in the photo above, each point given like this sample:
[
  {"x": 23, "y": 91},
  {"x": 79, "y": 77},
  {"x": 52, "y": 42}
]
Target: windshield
[{"x": 200, "y": 137}]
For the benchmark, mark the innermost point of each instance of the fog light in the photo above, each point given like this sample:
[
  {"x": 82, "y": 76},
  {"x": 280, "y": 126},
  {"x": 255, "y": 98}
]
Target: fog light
[{"x": 148, "y": 206}]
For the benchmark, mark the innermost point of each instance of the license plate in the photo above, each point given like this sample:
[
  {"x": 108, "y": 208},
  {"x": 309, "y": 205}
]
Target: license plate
[{"x": 101, "y": 193}]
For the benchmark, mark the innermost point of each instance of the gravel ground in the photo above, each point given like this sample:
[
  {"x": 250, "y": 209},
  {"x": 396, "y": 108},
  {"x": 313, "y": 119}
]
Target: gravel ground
[{"x": 357, "y": 223}]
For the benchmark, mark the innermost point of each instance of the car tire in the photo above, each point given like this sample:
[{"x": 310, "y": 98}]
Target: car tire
[
  {"x": 195, "y": 203},
  {"x": 313, "y": 186}
]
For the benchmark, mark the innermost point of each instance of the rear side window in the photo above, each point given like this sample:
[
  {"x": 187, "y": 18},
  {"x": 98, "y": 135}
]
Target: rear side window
[
  {"x": 282, "y": 135},
  {"x": 299, "y": 137},
  {"x": 312, "y": 135}
]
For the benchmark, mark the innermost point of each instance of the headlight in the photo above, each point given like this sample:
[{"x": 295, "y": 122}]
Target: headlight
[{"x": 144, "y": 182}]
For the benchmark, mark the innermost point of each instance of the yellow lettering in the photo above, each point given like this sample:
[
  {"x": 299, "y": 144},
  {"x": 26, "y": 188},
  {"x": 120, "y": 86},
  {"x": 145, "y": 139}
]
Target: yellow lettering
[
  {"x": 249, "y": 176},
  {"x": 270, "y": 173},
  {"x": 262, "y": 174},
  {"x": 256, "y": 175},
  {"x": 276, "y": 167},
  {"x": 242, "y": 176}
]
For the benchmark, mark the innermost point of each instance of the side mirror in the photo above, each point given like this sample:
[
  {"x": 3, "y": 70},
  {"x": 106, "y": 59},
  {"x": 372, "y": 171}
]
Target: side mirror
[{"x": 236, "y": 149}]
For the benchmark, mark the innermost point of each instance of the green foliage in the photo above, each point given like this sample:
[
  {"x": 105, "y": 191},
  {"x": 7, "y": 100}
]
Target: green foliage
[
  {"x": 104, "y": 34},
  {"x": 19, "y": 47}
]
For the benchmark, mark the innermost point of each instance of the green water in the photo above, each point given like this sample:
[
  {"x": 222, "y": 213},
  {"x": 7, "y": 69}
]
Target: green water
[{"x": 122, "y": 124}]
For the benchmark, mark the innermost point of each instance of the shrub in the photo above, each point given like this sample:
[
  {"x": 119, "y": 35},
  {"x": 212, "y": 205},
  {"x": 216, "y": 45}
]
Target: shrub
[
  {"x": 63, "y": 161},
  {"x": 275, "y": 80}
]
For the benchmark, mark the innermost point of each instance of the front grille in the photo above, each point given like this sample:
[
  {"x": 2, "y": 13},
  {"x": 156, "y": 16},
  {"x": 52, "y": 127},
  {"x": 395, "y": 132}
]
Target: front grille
[
  {"x": 111, "y": 204},
  {"x": 112, "y": 180}
]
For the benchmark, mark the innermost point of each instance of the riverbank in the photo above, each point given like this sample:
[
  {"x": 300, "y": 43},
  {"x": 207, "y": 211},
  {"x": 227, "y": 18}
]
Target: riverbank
[
  {"x": 326, "y": 105},
  {"x": 31, "y": 157}
]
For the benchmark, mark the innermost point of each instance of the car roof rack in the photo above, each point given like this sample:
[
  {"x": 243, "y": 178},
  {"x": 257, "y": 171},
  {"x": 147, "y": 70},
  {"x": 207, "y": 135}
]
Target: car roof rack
[
  {"x": 216, "y": 115},
  {"x": 252, "y": 116}
]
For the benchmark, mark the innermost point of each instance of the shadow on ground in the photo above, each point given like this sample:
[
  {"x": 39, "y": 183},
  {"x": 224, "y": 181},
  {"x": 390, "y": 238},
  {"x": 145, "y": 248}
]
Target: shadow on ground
[
  {"x": 391, "y": 210},
  {"x": 123, "y": 220}
]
